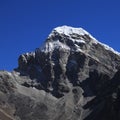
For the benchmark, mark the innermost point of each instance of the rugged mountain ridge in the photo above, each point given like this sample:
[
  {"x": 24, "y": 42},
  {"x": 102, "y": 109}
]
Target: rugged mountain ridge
[{"x": 71, "y": 77}]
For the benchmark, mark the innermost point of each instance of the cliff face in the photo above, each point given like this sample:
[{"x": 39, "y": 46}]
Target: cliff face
[{"x": 71, "y": 77}]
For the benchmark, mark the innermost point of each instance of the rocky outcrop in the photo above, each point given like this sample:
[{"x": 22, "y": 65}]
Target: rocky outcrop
[
  {"x": 71, "y": 77},
  {"x": 67, "y": 59}
]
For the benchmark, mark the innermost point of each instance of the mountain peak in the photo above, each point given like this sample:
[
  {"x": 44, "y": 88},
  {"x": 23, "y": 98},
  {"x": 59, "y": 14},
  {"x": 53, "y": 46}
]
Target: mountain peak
[
  {"x": 75, "y": 35},
  {"x": 72, "y": 75},
  {"x": 67, "y": 30}
]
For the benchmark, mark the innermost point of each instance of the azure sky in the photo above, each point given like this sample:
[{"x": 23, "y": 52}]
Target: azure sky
[{"x": 25, "y": 24}]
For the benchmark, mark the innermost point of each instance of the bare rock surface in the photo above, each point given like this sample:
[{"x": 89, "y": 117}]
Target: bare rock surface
[{"x": 72, "y": 76}]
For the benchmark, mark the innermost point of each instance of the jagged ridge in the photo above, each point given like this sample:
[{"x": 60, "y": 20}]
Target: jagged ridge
[{"x": 68, "y": 49}]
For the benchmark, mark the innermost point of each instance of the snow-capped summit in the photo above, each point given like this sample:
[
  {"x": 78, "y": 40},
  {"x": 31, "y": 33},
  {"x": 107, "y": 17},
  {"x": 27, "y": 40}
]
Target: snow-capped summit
[
  {"x": 67, "y": 30},
  {"x": 75, "y": 35}
]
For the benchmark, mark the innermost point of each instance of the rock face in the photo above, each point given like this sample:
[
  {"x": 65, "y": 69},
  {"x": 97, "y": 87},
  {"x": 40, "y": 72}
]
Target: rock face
[{"x": 72, "y": 76}]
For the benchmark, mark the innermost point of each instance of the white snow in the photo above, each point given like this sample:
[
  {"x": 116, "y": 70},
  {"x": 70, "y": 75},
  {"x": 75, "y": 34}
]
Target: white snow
[
  {"x": 78, "y": 41},
  {"x": 104, "y": 45},
  {"x": 109, "y": 48},
  {"x": 9, "y": 73},
  {"x": 77, "y": 46},
  {"x": 68, "y": 31},
  {"x": 30, "y": 54},
  {"x": 50, "y": 46}
]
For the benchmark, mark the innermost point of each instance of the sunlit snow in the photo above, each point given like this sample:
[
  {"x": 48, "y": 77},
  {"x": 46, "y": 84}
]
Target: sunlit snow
[{"x": 68, "y": 31}]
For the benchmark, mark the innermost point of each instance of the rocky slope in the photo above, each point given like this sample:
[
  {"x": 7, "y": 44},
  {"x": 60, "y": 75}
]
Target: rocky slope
[{"x": 72, "y": 76}]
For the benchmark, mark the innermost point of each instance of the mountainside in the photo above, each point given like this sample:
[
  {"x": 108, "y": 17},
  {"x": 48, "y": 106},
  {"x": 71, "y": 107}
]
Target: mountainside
[{"x": 72, "y": 76}]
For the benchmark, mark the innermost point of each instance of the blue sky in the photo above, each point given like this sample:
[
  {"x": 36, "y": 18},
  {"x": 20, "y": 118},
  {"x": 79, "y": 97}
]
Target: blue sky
[{"x": 25, "y": 24}]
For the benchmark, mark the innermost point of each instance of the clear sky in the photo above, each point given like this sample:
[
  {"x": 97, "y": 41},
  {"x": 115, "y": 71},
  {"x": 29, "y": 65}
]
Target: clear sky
[{"x": 25, "y": 24}]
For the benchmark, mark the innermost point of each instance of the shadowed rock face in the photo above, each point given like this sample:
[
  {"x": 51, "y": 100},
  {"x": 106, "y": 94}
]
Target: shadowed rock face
[{"x": 71, "y": 77}]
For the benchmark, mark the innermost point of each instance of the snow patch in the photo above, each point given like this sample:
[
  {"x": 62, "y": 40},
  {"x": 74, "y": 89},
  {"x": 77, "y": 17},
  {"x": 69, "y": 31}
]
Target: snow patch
[
  {"x": 50, "y": 46},
  {"x": 79, "y": 50},
  {"x": 30, "y": 54},
  {"x": 79, "y": 41},
  {"x": 109, "y": 48},
  {"x": 9, "y": 73},
  {"x": 104, "y": 45}
]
